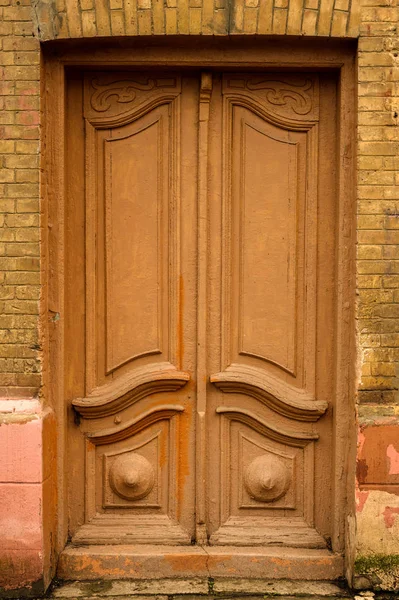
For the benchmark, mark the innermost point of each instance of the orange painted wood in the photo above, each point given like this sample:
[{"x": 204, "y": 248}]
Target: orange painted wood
[{"x": 200, "y": 290}]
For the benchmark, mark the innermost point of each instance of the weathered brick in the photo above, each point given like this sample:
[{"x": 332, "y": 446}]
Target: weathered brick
[
  {"x": 22, "y": 278},
  {"x": 27, "y": 147},
  {"x": 23, "y": 220},
  {"x": 17, "y": 13},
  {"x": 21, "y": 161},
  {"x": 21, "y": 43},
  {"x": 31, "y": 234},
  {"x": 23, "y": 249}
]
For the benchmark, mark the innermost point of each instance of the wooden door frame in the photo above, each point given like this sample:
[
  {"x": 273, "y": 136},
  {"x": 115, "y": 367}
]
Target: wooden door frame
[{"x": 257, "y": 53}]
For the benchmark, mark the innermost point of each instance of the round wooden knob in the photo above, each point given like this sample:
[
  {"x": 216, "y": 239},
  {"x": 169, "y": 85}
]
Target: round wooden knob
[
  {"x": 267, "y": 478},
  {"x": 131, "y": 476}
]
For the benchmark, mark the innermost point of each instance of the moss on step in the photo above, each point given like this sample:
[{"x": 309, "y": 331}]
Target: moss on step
[{"x": 377, "y": 571}]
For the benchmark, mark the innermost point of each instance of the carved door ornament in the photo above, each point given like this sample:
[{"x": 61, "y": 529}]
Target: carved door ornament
[{"x": 208, "y": 296}]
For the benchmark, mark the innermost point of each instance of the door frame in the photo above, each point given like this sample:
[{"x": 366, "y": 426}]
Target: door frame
[{"x": 235, "y": 53}]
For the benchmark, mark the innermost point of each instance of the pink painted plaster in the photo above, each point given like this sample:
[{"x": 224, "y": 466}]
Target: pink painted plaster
[
  {"x": 20, "y": 516},
  {"x": 23, "y": 406},
  {"x": 21, "y": 454},
  {"x": 21, "y": 495},
  {"x": 393, "y": 457}
]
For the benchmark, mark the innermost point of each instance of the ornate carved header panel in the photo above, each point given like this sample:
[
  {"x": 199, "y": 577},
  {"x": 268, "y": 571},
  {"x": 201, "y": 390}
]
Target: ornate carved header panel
[{"x": 286, "y": 97}]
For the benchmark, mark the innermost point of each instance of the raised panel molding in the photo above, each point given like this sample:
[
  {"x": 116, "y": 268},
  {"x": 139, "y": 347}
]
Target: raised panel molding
[
  {"x": 133, "y": 253},
  {"x": 299, "y": 439},
  {"x": 269, "y": 233},
  {"x": 132, "y": 247},
  {"x": 267, "y": 255},
  {"x": 267, "y": 483},
  {"x": 131, "y": 481}
]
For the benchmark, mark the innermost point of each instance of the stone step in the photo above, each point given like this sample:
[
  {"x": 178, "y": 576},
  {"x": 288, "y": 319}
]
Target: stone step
[
  {"x": 196, "y": 588},
  {"x": 147, "y": 562}
]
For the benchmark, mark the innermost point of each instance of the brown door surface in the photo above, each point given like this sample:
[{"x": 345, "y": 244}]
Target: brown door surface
[{"x": 200, "y": 307}]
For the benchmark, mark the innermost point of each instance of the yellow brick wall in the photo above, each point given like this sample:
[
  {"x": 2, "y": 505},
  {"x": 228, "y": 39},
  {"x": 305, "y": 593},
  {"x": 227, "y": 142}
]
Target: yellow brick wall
[
  {"x": 378, "y": 150},
  {"x": 19, "y": 201},
  {"x": 378, "y": 199}
]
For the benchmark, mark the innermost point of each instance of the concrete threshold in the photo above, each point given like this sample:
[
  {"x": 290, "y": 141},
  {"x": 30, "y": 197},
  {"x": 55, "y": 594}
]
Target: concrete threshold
[
  {"x": 198, "y": 588},
  {"x": 118, "y": 562}
]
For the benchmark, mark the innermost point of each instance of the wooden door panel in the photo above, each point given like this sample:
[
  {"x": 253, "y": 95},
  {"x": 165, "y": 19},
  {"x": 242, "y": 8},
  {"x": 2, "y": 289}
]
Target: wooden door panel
[
  {"x": 131, "y": 481},
  {"x": 135, "y": 255},
  {"x": 132, "y": 223},
  {"x": 207, "y": 245},
  {"x": 268, "y": 266},
  {"x": 264, "y": 194},
  {"x": 136, "y": 413},
  {"x": 264, "y": 420}
]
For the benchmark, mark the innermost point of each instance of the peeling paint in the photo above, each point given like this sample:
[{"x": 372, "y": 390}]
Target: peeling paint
[
  {"x": 361, "y": 497},
  {"x": 377, "y": 523},
  {"x": 389, "y": 515}
]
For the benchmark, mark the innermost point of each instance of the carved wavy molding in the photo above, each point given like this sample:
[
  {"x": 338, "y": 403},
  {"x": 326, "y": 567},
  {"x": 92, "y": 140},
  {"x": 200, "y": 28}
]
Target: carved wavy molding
[
  {"x": 130, "y": 428},
  {"x": 124, "y": 391},
  {"x": 280, "y": 396},
  {"x": 132, "y": 115},
  {"x": 263, "y": 110},
  {"x": 299, "y": 439}
]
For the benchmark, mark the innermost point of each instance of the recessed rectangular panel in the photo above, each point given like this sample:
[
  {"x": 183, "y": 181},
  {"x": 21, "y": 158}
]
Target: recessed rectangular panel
[
  {"x": 267, "y": 194},
  {"x": 134, "y": 162}
]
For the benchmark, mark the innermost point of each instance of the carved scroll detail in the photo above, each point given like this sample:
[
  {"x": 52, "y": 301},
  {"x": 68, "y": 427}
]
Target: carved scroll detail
[
  {"x": 123, "y": 91},
  {"x": 283, "y": 398},
  {"x": 293, "y": 97},
  {"x": 282, "y": 93},
  {"x": 125, "y": 390},
  {"x": 110, "y": 97}
]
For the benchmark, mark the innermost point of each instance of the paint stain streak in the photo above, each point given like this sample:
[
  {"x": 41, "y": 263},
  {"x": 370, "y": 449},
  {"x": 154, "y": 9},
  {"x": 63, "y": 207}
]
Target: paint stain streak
[
  {"x": 361, "y": 470},
  {"x": 180, "y": 339}
]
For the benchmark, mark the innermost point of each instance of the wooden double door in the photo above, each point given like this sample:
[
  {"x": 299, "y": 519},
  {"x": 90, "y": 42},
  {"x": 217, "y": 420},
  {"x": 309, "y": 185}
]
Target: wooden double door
[{"x": 200, "y": 307}]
